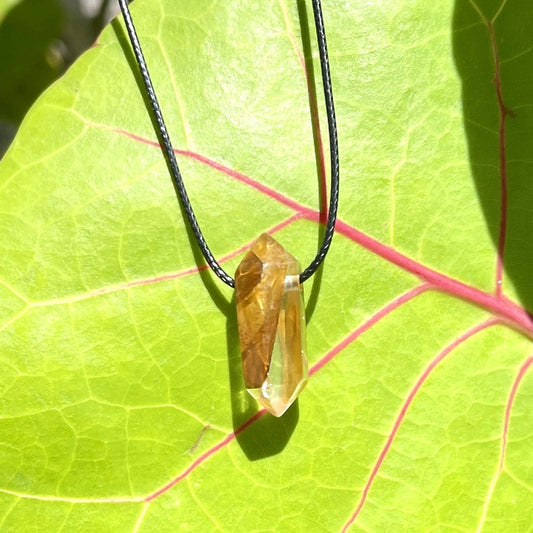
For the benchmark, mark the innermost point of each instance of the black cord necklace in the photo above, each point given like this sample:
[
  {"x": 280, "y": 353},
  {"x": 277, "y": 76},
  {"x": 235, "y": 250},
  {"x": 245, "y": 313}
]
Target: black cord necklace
[{"x": 269, "y": 293}]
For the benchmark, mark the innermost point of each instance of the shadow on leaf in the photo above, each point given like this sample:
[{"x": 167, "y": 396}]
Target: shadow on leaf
[
  {"x": 492, "y": 51},
  {"x": 268, "y": 435}
]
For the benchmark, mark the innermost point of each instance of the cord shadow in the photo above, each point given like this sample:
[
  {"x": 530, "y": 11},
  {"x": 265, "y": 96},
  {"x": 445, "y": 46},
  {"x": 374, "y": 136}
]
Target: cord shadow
[
  {"x": 125, "y": 45},
  {"x": 268, "y": 435},
  {"x": 317, "y": 141},
  {"x": 210, "y": 283},
  {"x": 473, "y": 55},
  {"x": 313, "y": 108}
]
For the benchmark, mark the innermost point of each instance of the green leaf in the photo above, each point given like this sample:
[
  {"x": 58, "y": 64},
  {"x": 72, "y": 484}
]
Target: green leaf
[{"x": 121, "y": 400}]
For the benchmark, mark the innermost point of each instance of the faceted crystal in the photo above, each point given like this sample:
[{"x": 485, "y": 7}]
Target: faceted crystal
[{"x": 270, "y": 313}]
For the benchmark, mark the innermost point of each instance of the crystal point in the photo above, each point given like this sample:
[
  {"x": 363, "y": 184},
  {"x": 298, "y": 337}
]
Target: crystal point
[{"x": 270, "y": 313}]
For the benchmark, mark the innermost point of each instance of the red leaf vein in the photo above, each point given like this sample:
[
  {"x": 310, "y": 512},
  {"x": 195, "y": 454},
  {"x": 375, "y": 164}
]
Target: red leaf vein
[
  {"x": 517, "y": 316},
  {"x": 398, "y": 421},
  {"x": 395, "y": 304}
]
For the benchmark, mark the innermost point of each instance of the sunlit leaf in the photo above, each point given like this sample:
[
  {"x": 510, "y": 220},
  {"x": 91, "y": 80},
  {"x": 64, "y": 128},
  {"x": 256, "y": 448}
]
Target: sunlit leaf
[{"x": 121, "y": 400}]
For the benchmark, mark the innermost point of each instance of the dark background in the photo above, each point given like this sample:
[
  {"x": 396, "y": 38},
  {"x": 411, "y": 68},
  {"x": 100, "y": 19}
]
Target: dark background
[{"x": 39, "y": 40}]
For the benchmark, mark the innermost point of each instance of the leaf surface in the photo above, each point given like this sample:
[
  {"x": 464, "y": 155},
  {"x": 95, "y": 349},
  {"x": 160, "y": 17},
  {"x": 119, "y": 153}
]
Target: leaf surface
[{"x": 121, "y": 399}]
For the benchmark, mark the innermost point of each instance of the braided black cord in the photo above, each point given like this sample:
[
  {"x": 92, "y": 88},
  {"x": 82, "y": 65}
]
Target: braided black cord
[
  {"x": 169, "y": 151},
  {"x": 333, "y": 144},
  {"x": 176, "y": 174}
]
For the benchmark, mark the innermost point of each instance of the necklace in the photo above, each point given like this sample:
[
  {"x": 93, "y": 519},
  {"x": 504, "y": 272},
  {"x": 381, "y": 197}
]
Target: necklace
[{"x": 268, "y": 281}]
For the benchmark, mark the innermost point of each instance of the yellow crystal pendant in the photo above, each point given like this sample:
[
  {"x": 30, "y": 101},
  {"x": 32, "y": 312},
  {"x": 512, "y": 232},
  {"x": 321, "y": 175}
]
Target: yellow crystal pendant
[{"x": 271, "y": 317}]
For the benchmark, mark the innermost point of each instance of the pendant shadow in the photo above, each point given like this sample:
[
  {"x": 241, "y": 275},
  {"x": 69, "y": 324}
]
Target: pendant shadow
[{"x": 268, "y": 435}]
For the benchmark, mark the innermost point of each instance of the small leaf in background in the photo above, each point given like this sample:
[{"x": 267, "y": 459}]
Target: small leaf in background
[
  {"x": 21, "y": 56},
  {"x": 122, "y": 406},
  {"x": 38, "y": 41}
]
